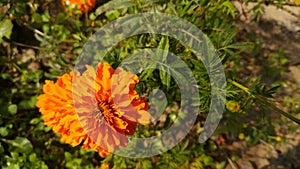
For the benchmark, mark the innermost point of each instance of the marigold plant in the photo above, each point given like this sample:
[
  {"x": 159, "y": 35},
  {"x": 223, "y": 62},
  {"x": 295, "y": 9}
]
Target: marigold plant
[{"x": 90, "y": 109}]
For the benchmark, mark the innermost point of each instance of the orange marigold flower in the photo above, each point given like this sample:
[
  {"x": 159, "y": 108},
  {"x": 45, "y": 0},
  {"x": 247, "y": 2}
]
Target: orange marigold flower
[
  {"x": 83, "y": 5},
  {"x": 96, "y": 109}
]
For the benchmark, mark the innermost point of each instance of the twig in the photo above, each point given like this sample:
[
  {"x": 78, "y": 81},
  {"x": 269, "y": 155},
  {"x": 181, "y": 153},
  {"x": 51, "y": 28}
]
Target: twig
[
  {"x": 231, "y": 163},
  {"x": 37, "y": 31},
  {"x": 21, "y": 44}
]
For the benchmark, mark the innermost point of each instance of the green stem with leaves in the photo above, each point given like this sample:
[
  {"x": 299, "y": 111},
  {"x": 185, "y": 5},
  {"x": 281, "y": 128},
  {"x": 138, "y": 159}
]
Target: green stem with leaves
[{"x": 265, "y": 101}]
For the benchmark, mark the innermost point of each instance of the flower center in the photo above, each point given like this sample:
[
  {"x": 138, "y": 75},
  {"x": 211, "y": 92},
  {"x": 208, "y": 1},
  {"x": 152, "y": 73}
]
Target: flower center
[
  {"x": 105, "y": 111},
  {"x": 102, "y": 106}
]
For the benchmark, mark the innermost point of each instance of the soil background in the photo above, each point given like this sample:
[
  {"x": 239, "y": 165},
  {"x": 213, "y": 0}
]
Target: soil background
[{"x": 278, "y": 30}]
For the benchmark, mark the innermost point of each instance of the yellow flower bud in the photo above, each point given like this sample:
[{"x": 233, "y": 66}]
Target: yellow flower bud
[
  {"x": 105, "y": 165},
  {"x": 278, "y": 139},
  {"x": 233, "y": 106},
  {"x": 241, "y": 136}
]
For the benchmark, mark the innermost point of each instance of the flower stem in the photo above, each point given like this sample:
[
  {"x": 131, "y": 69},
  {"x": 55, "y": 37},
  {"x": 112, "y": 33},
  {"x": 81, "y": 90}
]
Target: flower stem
[{"x": 245, "y": 89}]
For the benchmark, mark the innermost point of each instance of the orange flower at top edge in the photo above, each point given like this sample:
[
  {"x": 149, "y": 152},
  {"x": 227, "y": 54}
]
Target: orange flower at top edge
[
  {"x": 83, "y": 5},
  {"x": 96, "y": 109}
]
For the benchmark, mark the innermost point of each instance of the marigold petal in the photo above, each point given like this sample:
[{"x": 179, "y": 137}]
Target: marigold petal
[{"x": 104, "y": 73}]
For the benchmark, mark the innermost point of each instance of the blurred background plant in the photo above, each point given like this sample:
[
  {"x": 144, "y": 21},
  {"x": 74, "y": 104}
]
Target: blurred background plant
[{"x": 41, "y": 40}]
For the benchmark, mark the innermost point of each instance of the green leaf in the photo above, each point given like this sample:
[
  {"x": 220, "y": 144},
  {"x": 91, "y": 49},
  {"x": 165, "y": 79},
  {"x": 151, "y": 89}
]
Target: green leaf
[
  {"x": 35, "y": 121},
  {"x": 165, "y": 77},
  {"x": 33, "y": 158},
  {"x": 46, "y": 17},
  {"x": 13, "y": 166},
  {"x": 28, "y": 104},
  {"x": 164, "y": 45},
  {"x": 230, "y": 8},
  {"x": 146, "y": 164},
  {"x": 185, "y": 145},
  {"x": 3, "y": 131},
  {"x": 92, "y": 16},
  {"x": 60, "y": 18},
  {"x": 5, "y": 29},
  {"x": 12, "y": 109},
  {"x": 36, "y": 17},
  {"x": 114, "y": 5},
  {"x": 221, "y": 165},
  {"x": 241, "y": 46},
  {"x": 207, "y": 160},
  {"x": 272, "y": 90},
  {"x": 112, "y": 15},
  {"x": 68, "y": 156},
  {"x": 20, "y": 144},
  {"x": 147, "y": 74},
  {"x": 229, "y": 37},
  {"x": 1, "y": 148}
]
